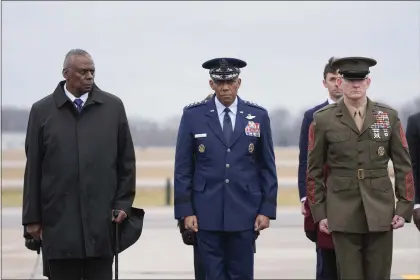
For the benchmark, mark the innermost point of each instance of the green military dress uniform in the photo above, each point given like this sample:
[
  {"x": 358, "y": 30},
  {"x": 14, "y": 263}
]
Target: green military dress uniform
[{"x": 359, "y": 202}]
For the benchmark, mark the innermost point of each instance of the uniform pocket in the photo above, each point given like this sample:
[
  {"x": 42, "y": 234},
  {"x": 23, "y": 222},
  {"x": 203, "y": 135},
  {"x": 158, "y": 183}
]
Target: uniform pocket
[{"x": 199, "y": 184}]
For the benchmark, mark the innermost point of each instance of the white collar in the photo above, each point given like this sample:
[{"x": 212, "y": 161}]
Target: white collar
[
  {"x": 330, "y": 101},
  {"x": 220, "y": 107},
  {"x": 83, "y": 97}
]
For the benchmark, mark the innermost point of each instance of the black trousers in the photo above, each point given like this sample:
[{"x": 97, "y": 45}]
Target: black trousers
[{"x": 78, "y": 269}]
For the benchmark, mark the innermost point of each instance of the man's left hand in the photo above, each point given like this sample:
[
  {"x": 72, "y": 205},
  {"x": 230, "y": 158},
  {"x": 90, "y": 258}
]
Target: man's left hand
[
  {"x": 261, "y": 222},
  {"x": 397, "y": 222},
  {"x": 121, "y": 217}
]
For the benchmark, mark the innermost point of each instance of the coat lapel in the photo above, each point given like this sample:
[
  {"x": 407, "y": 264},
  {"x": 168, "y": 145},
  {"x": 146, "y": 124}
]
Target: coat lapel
[
  {"x": 369, "y": 118},
  {"x": 213, "y": 121},
  {"x": 345, "y": 117},
  {"x": 240, "y": 123}
]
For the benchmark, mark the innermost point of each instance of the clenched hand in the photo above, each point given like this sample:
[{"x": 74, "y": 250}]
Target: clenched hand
[
  {"x": 190, "y": 222},
  {"x": 323, "y": 226},
  {"x": 35, "y": 231},
  {"x": 397, "y": 222},
  {"x": 261, "y": 222}
]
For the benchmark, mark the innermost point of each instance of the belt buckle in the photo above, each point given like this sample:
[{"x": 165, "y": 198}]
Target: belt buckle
[{"x": 360, "y": 174}]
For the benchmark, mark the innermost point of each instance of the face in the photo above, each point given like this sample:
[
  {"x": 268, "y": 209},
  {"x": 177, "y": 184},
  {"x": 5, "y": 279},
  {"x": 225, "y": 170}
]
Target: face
[
  {"x": 330, "y": 83},
  {"x": 80, "y": 74},
  {"x": 226, "y": 91},
  {"x": 353, "y": 89}
]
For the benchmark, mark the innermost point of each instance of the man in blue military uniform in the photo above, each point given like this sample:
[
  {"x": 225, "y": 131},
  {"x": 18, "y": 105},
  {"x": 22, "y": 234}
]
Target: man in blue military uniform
[
  {"x": 225, "y": 174},
  {"x": 326, "y": 263}
]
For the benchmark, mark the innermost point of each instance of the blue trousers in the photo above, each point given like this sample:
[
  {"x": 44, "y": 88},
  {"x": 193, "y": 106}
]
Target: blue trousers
[
  {"x": 227, "y": 255},
  {"x": 326, "y": 265},
  {"x": 199, "y": 271}
]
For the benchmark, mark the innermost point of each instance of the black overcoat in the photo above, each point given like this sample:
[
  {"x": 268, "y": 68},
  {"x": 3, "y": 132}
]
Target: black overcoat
[{"x": 79, "y": 167}]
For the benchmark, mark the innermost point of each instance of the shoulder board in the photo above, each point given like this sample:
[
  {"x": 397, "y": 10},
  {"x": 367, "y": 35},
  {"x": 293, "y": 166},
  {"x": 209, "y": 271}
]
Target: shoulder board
[
  {"x": 195, "y": 104},
  {"x": 383, "y": 105},
  {"x": 327, "y": 107},
  {"x": 254, "y": 105}
]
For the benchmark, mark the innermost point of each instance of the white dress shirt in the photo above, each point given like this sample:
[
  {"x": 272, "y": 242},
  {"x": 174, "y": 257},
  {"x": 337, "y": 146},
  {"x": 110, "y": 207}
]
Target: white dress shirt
[
  {"x": 232, "y": 114},
  {"x": 83, "y": 97}
]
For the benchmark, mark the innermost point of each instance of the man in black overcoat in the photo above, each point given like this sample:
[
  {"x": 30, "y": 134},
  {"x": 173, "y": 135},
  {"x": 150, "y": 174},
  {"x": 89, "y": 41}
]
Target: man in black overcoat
[{"x": 80, "y": 167}]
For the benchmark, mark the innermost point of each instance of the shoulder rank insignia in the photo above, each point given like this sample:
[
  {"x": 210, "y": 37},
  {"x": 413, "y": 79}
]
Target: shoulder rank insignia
[
  {"x": 194, "y": 104},
  {"x": 254, "y": 105}
]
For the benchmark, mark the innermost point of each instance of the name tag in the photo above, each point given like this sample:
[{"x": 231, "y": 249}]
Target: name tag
[{"x": 201, "y": 135}]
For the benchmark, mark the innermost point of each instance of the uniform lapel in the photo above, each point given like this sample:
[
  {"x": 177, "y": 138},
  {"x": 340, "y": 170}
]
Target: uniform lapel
[
  {"x": 345, "y": 117},
  {"x": 369, "y": 117},
  {"x": 239, "y": 123},
  {"x": 213, "y": 121}
]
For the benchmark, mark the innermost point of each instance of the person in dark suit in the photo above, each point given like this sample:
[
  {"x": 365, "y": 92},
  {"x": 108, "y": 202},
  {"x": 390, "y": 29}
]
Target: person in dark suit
[
  {"x": 326, "y": 266},
  {"x": 225, "y": 174},
  {"x": 80, "y": 168},
  {"x": 413, "y": 139}
]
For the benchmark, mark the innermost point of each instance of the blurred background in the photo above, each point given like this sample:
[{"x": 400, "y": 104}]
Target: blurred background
[{"x": 150, "y": 55}]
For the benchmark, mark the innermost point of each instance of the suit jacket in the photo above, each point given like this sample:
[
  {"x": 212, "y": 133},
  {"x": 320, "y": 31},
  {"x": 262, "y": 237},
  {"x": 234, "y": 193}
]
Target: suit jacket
[
  {"x": 358, "y": 183},
  {"x": 303, "y": 147},
  {"x": 225, "y": 184},
  {"x": 413, "y": 138}
]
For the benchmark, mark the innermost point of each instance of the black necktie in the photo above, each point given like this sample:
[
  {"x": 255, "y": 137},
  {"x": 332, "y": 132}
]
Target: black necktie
[{"x": 227, "y": 125}]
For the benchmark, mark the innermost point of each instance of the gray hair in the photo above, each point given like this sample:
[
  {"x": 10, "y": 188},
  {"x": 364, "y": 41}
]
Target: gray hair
[{"x": 74, "y": 52}]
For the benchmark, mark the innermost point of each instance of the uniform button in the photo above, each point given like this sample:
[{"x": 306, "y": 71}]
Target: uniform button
[
  {"x": 227, "y": 181},
  {"x": 227, "y": 165},
  {"x": 228, "y": 150}
]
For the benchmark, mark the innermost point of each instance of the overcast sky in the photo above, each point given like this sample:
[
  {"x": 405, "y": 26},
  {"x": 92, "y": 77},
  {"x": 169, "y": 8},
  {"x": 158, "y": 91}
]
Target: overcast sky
[{"x": 150, "y": 53}]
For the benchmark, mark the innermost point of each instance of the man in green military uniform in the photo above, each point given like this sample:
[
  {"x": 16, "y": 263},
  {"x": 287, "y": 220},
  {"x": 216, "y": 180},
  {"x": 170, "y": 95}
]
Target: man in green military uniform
[{"x": 356, "y": 138}]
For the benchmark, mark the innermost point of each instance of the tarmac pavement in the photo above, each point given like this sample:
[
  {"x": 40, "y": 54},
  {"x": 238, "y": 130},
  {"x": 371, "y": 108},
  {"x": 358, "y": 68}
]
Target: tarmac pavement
[{"x": 283, "y": 251}]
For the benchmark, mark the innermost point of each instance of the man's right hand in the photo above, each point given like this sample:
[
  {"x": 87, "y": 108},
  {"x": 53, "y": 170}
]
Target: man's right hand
[
  {"x": 302, "y": 208},
  {"x": 190, "y": 222},
  {"x": 35, "y": 231},
  {"x": 323, "y": 226},
  {"x": 416, "y": 217}
]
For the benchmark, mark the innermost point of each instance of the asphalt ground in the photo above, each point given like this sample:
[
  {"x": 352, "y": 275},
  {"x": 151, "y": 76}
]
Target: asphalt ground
[{"x": 283, "y": 251}]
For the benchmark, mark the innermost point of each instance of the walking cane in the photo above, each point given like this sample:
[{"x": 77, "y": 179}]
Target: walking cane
[{"x": 117, "y": 244}]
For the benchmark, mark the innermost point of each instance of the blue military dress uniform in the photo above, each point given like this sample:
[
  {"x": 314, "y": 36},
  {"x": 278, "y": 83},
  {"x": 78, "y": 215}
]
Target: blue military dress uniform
[{"x": 226, "y": 179}]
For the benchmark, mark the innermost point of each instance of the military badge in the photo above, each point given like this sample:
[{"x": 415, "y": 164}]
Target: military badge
[
  {"x": 252, "y": 129},
  {"x": 201, "y": 148},
  {"x": 251, "y": 148},
  {"x": 381, "y": 151},
  {"x": 249, "y": 117},
  {"x": 381, "y": 123}
]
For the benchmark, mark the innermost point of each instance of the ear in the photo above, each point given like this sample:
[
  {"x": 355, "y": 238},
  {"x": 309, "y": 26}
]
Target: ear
[
  {"x": 211, "y": 84},
  {"x": 339, "y": 81},
  {"x": 324, "y": 83},
  {"x": 368, "y": 80},
  {"x": 239, "y": 82},
  {"x": 65, "y": 73}
]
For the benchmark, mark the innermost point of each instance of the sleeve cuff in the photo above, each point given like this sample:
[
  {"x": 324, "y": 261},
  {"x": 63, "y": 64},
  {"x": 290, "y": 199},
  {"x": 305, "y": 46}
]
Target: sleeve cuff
[
  {"x": 303, "y": 199},
  {"x": 183, "y": 210},
  {"x": 416, "y": 206},
  {"x": 268, "y": 210}
]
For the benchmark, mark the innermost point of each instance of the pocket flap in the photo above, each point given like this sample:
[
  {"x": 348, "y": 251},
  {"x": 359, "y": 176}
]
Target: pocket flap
[{"x": 199, "y": 184}]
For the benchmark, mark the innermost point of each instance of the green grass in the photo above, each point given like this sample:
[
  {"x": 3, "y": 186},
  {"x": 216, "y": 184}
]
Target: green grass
[{"x": 153, "y": 197}]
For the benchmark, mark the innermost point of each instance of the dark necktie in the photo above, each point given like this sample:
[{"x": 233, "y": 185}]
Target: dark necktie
[
  {"x": 227, "y": 125},
  {"x": 78, "y": 103}
]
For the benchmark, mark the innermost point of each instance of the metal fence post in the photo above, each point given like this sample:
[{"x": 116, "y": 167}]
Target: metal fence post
[{"x": 168, "y": 192}]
